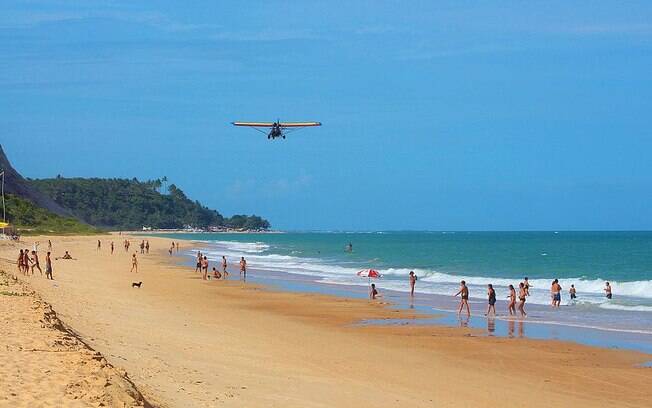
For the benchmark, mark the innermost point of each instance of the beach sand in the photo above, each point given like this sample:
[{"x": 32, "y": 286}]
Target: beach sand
[
  {"x": 185, "y": 342},
  {"x": 43, "y": 364}
]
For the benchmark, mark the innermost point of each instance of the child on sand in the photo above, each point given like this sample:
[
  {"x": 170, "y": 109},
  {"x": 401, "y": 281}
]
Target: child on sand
[
  {"x": 464, "y": 291},
  {"x": 216, "y": 274}
]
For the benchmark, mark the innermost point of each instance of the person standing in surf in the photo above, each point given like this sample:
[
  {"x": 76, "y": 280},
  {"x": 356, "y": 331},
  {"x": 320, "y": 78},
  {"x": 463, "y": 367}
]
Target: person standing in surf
[
  {"x": 607, "y": 290},
  {"x": 526, "y": 284},
  {"x": 413, "y": 281},
  {"x": 224, "y": 266},
  {"x": 511, "y": 306},
  {"x": 522, "y": 293},
  {"x": 464, "y": 292},
  {"x": 572, "y": 293},
  {"x": 491, "y": 293},
  {"x": 243, "y": 268}
]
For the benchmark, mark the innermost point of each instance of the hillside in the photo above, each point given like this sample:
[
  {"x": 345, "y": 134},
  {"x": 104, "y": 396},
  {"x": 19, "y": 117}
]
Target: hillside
[
  {"x": 15, "y": 184},
  {"x": 80, "y": 205},
  {"x": 132, "y": 204},
  {"x": 27, "y": 217}
]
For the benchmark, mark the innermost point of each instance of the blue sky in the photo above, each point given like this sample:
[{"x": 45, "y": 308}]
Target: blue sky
[{"x": 437, "y": 115}]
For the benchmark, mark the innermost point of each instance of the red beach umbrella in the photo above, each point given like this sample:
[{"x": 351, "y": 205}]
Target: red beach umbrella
[{"x": 369, "y": 273}]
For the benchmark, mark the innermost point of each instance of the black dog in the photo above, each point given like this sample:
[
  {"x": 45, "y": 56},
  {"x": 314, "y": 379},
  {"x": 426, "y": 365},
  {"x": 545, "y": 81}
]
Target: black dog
[{"x": 136, "y": 284}]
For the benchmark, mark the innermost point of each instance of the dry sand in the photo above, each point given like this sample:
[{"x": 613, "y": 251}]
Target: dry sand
[
  {"x": 191, "y": 343},
  {"x": 43, "y": 364}
]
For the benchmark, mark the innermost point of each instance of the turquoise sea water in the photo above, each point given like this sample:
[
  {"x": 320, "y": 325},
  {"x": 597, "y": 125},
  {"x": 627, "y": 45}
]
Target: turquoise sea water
[{"x": 442, "y": 259}]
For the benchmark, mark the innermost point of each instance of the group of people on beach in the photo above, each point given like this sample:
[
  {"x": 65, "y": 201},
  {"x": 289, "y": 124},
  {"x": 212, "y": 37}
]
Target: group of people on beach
[
  {"x": 521, "y": 295},
  {"x": 202, "y": 266},
  {"x": 173, "y": 247},
  {"x": 516, "y": 298},
  {"x": 28, "y": 261}
]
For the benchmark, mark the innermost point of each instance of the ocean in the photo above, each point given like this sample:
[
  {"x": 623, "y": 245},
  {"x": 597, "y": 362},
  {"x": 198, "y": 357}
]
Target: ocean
[{"x": 442, "y": 259}]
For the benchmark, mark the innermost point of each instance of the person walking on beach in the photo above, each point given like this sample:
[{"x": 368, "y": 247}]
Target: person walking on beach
[
  {"x": 48, "y": 266},
  {"x": 243, "y": 267},
  {"x": 464, "y": 291},
  {"x": 511, "y": 306},
  {"x": 522, "y": 293},
  {"x": 526, "y": 285},
  {"x": 198, "y": 265},
  {"x": 99, "y": 244},
  {"x": 177, "y": 244},
  {"x": 607, "y": 290},
  {"x": 413, "y": 281},
  {"x": 35, "y": 263},
  {"x": 147, "y": 247},
  {"x": 142, "y": 247},
  {"x": 224, "y": 265},
  {"x": 572, "y": 293},
  {"x": 19, "y": 262},
  {"x": 171, "y": 249},
  {"x": 134, "y": 263},
  {"x": 491, "y": 294},
  {"x": 112, "y": 247},
  {"x": 373, "y": 292},
  {"x": 49, "y": 245}
]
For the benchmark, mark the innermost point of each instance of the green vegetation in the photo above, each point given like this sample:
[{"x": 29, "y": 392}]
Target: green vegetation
[
  {"x": 28, "y": 218},
  {"x": 131, "y": 204}
]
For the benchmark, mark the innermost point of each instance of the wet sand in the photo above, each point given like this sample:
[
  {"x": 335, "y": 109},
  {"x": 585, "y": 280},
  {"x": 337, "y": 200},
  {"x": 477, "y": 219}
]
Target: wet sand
[{"x": 192, "y": 343}]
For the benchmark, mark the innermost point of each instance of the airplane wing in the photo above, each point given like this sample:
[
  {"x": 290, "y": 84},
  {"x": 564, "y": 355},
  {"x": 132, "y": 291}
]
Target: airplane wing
[
  {"x": 298, "y": 124},
  {"x": 253, "y": 124}
]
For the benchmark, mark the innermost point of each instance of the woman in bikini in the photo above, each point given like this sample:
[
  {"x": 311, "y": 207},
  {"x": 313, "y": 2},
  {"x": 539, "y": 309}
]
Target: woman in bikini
[
  {"x": 521, "y": 297},
  {"x": 511, "y": 306}
]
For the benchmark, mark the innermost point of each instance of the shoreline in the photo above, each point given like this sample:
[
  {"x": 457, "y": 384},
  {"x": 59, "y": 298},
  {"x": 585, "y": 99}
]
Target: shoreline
[{"x": 188, "y": 342}]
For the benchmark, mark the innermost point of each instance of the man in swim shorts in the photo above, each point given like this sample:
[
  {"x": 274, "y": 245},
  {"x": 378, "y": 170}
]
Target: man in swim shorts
[
  {"x": 48, "y": 266},
  {"x": 464, "y": 291},
  {"x": 607, "y": 290}
]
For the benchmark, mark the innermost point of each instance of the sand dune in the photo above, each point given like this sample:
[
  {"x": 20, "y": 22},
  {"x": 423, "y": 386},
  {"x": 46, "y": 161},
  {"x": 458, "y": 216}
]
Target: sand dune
[
  {"x": 43, "y": 364},
  {"x": 192, "y": 343}
]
